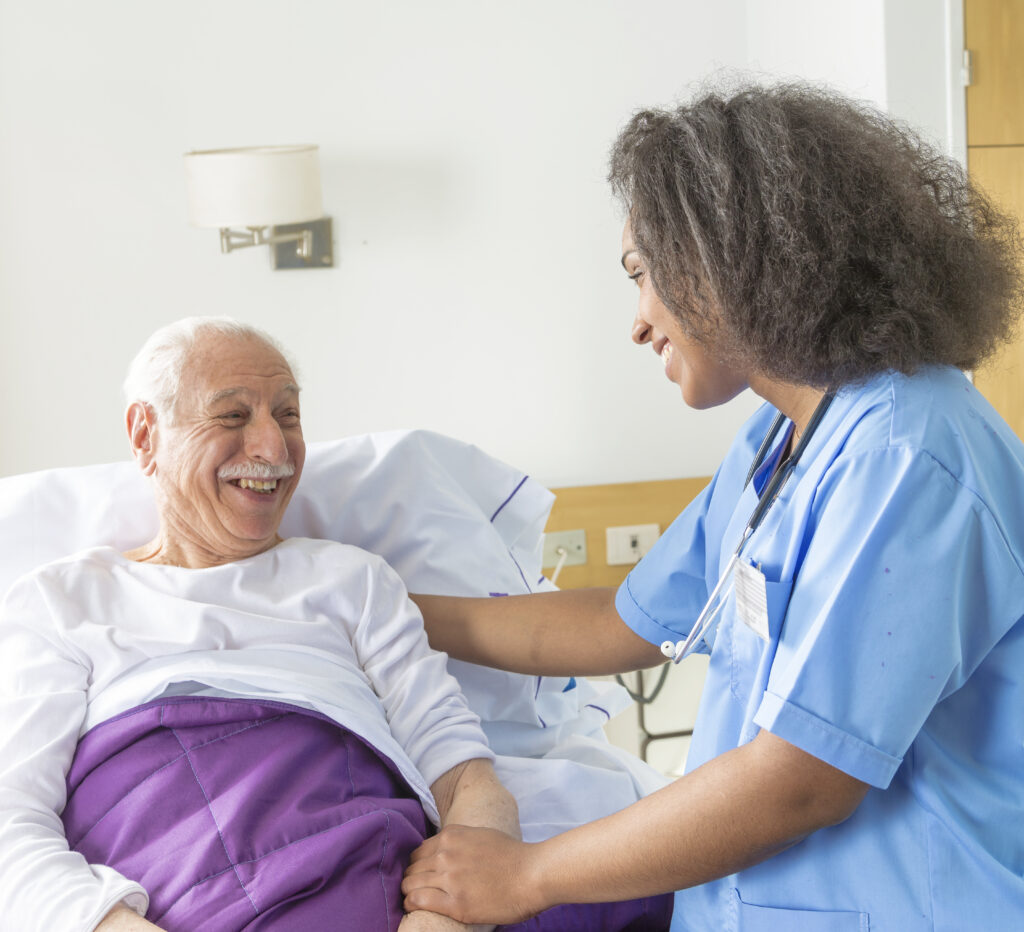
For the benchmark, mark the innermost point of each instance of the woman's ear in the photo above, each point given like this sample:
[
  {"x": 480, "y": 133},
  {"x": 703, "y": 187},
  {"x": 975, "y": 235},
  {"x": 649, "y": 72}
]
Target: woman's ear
[{"x": 140, "y": 419}]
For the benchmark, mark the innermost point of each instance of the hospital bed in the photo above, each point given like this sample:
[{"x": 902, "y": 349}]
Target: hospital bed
[{"x": 451, "y": 520}]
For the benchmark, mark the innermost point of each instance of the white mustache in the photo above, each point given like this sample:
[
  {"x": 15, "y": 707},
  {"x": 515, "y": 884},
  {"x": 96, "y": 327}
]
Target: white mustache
[{"x": 256, "y": 471}]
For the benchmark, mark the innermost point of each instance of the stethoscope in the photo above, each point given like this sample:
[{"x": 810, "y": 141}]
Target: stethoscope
[{"x": 677, "y": 650}]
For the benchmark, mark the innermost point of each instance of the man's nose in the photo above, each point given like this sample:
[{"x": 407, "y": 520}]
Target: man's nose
[
  {"x": 265, "y": 441},
  {"x": 641, "y": 331}
]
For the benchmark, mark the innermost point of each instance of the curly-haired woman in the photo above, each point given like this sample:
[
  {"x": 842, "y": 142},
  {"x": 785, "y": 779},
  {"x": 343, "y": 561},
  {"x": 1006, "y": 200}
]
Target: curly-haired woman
[{"x": 854, "y": 568}]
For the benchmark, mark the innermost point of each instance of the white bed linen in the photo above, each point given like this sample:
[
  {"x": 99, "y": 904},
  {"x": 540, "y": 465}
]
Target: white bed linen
[{"x": 450, "y": 519}]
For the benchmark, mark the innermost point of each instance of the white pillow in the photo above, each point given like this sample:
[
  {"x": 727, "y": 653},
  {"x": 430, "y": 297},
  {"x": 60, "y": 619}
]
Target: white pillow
[{"x": 449, "y": 518}]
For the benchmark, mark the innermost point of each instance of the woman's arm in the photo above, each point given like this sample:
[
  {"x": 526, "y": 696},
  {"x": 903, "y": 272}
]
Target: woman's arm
[
  {"x": 738, "y": 809},
  {"x": 575, "y": 632}
]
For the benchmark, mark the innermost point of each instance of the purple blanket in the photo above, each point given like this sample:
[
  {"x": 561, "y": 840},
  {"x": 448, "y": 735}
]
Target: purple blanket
[{"x": 250, "y": 815}]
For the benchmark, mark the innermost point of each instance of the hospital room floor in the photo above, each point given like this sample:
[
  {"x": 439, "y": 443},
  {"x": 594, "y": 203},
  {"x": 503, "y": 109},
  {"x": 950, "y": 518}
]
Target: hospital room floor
[{"x": 674, "y": 709}]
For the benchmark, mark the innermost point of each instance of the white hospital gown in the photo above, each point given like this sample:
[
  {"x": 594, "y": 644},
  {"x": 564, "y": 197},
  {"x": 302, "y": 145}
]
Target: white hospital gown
[{"x": 319, "y": 624}]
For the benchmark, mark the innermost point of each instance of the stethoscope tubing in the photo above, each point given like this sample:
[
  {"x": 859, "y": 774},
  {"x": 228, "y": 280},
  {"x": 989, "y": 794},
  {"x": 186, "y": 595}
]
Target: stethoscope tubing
[{"x": 678, "y": 650}]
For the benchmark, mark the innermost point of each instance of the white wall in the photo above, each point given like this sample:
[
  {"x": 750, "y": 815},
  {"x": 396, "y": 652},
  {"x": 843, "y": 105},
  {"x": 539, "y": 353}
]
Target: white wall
[
  {"x": 839, "y": 42},
  {"x": 902, "y": 55},
  {"x": 463, "y": 144}
]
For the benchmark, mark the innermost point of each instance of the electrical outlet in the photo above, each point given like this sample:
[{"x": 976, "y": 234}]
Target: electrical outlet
[
  {"x": 627, "y": 544},
  {"x": 574, "y": 544}
]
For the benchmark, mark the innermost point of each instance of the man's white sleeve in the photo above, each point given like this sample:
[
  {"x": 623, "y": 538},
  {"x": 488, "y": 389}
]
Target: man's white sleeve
[
  {"x": 44, "y": 886},
  {"x": 425, "y": 708}
]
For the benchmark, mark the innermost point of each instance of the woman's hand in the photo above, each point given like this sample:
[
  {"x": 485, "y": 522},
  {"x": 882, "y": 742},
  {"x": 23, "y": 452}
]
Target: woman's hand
[{"x": 475, "y": 875}]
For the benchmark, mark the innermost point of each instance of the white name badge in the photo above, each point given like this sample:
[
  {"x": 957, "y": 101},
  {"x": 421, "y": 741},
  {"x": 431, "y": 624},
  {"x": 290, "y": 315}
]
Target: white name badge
[{"x": 752, "y": 599}]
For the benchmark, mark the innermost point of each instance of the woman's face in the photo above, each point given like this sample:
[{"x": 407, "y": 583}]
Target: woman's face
[{"x": 703, "y": 380}]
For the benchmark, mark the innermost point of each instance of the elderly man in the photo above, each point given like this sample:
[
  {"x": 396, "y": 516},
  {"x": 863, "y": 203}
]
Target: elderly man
[{"x": 222, "y": 729}]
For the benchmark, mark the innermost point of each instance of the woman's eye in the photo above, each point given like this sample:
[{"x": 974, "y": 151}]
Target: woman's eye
[{"x": 636, "y": 276}]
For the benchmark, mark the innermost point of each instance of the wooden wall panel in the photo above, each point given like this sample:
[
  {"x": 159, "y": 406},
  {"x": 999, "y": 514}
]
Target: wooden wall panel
[
  {"x": 596, "y": 507},
  {"x": 1000, "y": 171},
  {"x": 994, "y": 35}
]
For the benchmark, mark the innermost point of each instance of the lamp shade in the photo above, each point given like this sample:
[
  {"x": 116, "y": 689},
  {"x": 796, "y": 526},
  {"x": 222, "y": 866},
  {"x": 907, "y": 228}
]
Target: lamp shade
[{"x": 253, "y": 187}]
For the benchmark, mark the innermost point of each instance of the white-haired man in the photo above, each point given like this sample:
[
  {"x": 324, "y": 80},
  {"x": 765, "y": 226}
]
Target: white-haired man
[{"x": 223, "y": 729}]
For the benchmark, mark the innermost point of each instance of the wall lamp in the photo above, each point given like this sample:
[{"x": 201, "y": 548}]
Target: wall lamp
[{"x": 262, "y": 196}]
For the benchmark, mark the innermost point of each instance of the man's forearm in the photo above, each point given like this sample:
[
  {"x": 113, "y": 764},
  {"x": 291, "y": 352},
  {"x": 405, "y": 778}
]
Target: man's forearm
[
  {"x": 123, "y": 919},
  {"x": 468, "y": 794},
  {"x": 471, "y": 794}
]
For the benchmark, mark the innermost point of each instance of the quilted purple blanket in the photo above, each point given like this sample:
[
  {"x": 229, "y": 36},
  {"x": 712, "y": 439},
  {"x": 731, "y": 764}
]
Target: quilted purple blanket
[{"x": 251, "y": 815}]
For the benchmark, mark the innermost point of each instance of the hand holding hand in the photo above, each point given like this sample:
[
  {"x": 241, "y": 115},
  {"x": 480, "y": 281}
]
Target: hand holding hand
[{"x": 475, "y": 875}]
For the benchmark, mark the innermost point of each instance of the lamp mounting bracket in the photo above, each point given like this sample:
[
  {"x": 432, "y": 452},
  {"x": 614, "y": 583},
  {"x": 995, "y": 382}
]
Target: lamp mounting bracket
[{"x": 287, "y": 254}]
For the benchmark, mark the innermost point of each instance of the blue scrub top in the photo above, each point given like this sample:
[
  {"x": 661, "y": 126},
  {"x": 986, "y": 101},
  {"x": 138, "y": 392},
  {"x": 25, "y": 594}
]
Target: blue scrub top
[{"x": 893, "y": 564}]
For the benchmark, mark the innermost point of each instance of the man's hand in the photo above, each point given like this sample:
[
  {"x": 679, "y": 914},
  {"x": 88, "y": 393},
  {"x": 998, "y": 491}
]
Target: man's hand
[
  {"x": 123, "y": 919},
  {"x": 421, "y": 921},
  {"x": 475, "y": 875}
]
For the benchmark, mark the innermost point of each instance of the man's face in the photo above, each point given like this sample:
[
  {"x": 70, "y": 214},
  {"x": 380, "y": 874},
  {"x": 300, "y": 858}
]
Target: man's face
[{"x": 229, "y": 460}]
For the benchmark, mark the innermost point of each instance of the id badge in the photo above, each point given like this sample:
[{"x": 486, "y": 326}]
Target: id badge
[{"x": 752, "y": 599}]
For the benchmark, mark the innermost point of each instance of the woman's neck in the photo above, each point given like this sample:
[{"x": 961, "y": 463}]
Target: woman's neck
[{"x": 797, "y": 402}]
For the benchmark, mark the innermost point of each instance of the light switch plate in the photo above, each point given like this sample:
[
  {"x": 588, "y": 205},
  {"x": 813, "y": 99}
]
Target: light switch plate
[{"x": 628, "y": 543}]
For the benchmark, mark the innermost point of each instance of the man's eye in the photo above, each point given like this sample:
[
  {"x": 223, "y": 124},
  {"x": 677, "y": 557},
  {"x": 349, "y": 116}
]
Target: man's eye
[{"x": 232, "y": 416}]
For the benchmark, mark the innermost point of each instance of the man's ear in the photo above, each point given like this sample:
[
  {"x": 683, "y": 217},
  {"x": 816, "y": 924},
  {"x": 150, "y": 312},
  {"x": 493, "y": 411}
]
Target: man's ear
[{"x": 140, "y": 419}]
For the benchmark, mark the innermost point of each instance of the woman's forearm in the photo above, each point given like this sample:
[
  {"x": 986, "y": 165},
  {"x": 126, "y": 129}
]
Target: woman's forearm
[
  {"x": 735, "y": 811},
  {"x": 575, "y": 632}
]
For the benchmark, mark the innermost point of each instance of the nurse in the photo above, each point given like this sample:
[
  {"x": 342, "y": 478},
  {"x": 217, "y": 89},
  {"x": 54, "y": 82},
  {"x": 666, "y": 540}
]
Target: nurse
[{"x": 856, "y": 560}]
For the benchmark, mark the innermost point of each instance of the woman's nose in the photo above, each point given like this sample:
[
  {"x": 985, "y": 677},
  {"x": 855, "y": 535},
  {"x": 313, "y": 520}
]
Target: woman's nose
[{"x": 641, "y": 331}]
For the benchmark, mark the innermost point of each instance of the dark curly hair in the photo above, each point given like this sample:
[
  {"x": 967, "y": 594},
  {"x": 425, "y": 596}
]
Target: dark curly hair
[{"x": 813, "y": 239}]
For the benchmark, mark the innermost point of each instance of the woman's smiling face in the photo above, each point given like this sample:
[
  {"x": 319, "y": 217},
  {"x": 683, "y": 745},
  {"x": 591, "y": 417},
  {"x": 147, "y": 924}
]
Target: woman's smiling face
[{"x": 703, "y": 380}]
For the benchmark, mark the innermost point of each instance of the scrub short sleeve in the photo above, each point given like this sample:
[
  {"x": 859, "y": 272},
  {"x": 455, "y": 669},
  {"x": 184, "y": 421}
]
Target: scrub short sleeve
[
  {"x": 906, "y": 584},
  {"x": 664, "y": 593}
]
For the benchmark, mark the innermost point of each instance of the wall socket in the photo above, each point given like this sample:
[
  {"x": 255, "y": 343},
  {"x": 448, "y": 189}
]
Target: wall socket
[
  {"x": 574, "y": 542},
  {"x": 627, "y": 544}
]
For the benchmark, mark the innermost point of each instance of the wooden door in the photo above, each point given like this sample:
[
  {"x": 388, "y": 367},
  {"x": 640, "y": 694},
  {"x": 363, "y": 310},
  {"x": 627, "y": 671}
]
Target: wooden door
[{"x": 994, "y": 35}]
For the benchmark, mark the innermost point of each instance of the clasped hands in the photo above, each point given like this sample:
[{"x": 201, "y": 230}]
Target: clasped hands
[{"x": 474, "y": 875}]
